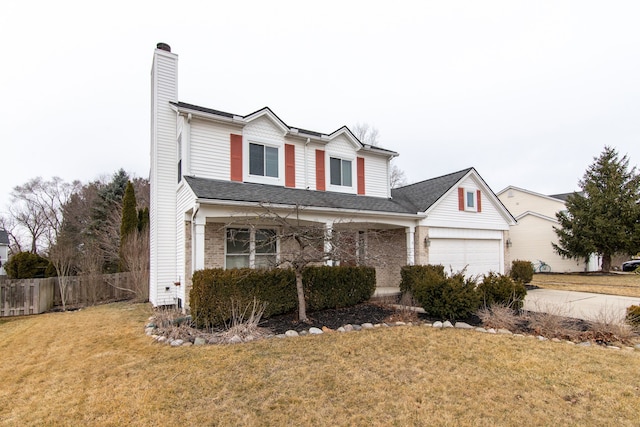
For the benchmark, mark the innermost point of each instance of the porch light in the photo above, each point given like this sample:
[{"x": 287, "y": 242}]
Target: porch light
[
  {"x": 509, "y": 243},
  {"x": 427, "y": 242}
]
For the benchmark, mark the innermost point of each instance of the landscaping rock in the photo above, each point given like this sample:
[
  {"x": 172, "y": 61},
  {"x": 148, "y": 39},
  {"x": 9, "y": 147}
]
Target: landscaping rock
[
  {"x": 199, "y": 341},
  {"x": 447, "y": 324},
  {"x": 281, "y": 336},
  {"x": 315, "y": 331},
  {"x": 303, "y": 333},
  {"x": 400, "y": 324},
  {"x": 555, "y": 340},
  {"x": 463, "y": 325},
  {"x": 291, "y": 333},
  {"x": 357, "y": 327},
  {"x": 326, "y": 330},
  {"x": 348, "y": 328},
  {"x": 541, "y": 338},
  {"x": 187, "y": 344},
  {"x": 235, "y": 340},
  {"x": 177, "y": 343},
  {"x": 437, "y": 324},
  {"x": 584, "y": 344},
  {"x": 491, "y": 331},
  {"x": 341, "y": 329},
  {"x": 367, "y": 326},
  {"x": 479, "y": 329},
  {"x": 505, "y": 331}
]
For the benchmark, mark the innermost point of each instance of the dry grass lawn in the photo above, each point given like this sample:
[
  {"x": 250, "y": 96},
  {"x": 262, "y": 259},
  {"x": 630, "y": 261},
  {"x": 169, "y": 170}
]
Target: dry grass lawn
[
  {"x": 96, "y": 367},
  {"x": 625, "y": 284}
]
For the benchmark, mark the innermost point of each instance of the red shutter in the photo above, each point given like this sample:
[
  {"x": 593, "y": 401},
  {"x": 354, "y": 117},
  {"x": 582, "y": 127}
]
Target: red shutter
[
  {"x": 236, "y": 157},
  {"x": 320, "y": 176},
  {"x": 479, "y": 201},
  {"x": 461, "y": 199},
  {"x": 360, "y": 173},
  {"x": 289, "y": 165}
]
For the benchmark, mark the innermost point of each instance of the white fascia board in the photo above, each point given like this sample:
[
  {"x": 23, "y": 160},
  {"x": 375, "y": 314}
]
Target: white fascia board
[
  {"x": 537, "y": 215},
  {"x": 234, "y": 203},
  {"x": 208, "y": 116}
]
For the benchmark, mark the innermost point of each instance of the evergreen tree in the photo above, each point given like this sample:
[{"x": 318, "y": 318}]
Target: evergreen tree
[
  {"x": 129, "y": 223},
  {"x": 605, "y": 219},
  {"x": 143, "y": 219}
]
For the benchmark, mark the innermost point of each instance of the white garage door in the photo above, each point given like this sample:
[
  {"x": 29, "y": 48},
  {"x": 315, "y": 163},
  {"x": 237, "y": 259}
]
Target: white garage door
[{"x": 479, "y": 256}]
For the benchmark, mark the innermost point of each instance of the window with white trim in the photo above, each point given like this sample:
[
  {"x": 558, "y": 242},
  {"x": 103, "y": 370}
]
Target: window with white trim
[
  {"x": 471, "y": 202},
  {"x": 263, "y": 160},
  {"x": 251, "y": 248},
  {"x": 340, "y": 172}
]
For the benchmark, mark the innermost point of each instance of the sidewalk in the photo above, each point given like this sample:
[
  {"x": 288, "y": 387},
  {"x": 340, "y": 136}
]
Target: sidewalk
[{"x": 580, "y": 305}]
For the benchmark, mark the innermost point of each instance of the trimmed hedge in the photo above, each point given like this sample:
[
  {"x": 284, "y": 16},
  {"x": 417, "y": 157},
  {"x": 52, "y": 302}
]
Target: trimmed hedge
[
  {"x": 214, "y": 290},
  {"x": 335, "y": 287},
  {"x": 442, "y": 296},
  {"x": 500, "y": 289},
  {"x": 411, "y": 274},
  {"x": 521, "y": 271}
]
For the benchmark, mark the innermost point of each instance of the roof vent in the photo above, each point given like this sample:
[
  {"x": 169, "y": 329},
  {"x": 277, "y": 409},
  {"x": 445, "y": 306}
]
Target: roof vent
[{"x": 164, "y": 46}]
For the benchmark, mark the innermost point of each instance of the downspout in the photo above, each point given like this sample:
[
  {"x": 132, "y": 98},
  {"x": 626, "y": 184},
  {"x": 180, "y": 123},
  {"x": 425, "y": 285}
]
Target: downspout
[{"x": 306, "y": 169}]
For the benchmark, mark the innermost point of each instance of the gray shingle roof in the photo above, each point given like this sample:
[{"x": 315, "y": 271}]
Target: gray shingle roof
[
  {"x": 564, "y": 196},
  {"x": 422, "y": 195},
  {"x": 213, "y": 189},
  {"x": 4, "y": 238}
]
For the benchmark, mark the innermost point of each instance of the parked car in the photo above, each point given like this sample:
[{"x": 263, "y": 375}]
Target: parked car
[{"x": 631, "y": 265}]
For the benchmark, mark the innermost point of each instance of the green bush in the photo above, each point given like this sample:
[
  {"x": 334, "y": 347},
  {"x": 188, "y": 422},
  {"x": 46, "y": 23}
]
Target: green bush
[
  {"x": 446, "y": 297},
  {"x": 633, "y": 315},
  {"x": 215, "y": 290},
  {"x": 335, "y": 287},
  {"x": 521, "y": 271},
  {"x": 27, "y": 265},
  {"x": 410, "y": 274},
  {"x": 501, "y": 289}
]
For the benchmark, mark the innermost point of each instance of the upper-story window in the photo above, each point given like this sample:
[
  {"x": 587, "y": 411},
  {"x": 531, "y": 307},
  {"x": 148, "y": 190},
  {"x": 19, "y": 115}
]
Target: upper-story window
[
  {"x": 471, "y": 203},
  {"x": 263, "y": 160},
  {"x": 341, "y": 172}
]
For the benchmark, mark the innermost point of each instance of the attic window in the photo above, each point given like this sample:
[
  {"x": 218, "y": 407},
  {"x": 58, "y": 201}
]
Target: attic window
[
  {"x": 340, "y": 172},
  {"x": 470, "y": 197}
]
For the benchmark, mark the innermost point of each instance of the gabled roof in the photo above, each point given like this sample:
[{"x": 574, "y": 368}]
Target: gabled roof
[
  {"x": 422, "y": 195},
  {"x": 537, "y": 215},
  {"x": 556, "y": 197},
  {"x": 286, "y": 129},
  {"x": 4, "y": 238},
  {"x": 565, "y": 196},
  {"x": 212, "y": 189}
]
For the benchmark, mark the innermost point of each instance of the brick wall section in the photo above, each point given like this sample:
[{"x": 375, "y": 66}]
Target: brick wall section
[
  {"x": 214, "y": 241},
  {"x": 421, "y": 252},
  {"x": 387, "y": 252}
]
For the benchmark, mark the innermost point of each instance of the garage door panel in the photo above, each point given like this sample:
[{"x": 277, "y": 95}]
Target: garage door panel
[{"x": 478, "y": 256}]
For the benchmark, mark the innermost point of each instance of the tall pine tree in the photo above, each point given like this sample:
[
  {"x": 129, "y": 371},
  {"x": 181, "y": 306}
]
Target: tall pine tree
[
  {"x": 605, "y": 219},
  {"x": 129, "y": 224}
]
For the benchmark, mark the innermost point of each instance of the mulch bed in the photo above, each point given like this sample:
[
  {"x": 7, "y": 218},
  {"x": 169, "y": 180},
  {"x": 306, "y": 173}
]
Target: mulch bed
[{"x": 356, "y": 315}]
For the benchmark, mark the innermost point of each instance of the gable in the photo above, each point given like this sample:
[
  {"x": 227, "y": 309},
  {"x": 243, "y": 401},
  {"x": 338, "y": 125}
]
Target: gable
[{"x": 519, "y": 201}]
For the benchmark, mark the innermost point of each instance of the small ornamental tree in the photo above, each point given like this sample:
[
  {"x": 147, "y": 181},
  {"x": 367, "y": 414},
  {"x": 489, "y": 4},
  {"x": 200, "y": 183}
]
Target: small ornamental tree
[{"x": 605, "y": 219}]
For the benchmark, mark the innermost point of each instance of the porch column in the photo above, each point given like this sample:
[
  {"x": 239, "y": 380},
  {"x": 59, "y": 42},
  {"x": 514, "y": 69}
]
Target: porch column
[
  {"x": 410, "y": 245},
  {"x": 198, "y": 243},
  {"x": 327, "y": 241}
]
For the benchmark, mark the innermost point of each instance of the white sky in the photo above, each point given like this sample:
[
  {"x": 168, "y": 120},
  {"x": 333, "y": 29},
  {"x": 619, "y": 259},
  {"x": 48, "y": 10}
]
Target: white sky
[{"x": 527, "y": 92}]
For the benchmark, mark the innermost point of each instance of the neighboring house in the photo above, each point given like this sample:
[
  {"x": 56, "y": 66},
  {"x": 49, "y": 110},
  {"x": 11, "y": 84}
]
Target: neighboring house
[
  {"x": 213, "y": 171},
  {"x": 532, "y": 237},
  {"x": 4, "y": 251}
]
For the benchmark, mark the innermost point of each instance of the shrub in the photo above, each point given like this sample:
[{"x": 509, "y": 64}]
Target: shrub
[
  {"x": 500, "y": 289},
  {"x": 446, "y": 297},
  {"x": 27, "y": 265},
  {"x": 216, "y": 291},
  {"x": 521, "y": 271},
  {"x": 633, "y": 315},
  {"x": 335, "y": 287},
  {"x": 411, "y": 274}
]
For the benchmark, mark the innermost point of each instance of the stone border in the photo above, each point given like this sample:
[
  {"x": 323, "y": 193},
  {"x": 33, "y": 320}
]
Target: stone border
[{"x": 151, "y": 330}]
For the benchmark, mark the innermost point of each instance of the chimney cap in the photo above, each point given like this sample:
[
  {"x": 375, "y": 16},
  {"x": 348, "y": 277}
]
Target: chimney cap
[{"x": 163, "y": 46}]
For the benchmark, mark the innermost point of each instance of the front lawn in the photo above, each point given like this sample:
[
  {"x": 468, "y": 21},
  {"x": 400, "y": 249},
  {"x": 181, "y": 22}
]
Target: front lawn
[
  {"x": 96, "y": 367},
  {"x": 624, "y": 284}
]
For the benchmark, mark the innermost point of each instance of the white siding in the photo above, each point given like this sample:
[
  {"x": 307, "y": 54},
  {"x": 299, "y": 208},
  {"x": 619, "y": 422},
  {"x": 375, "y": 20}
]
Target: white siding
[
  {"x": 519, "y": 202},
  {"x": 210, "y": 149},
  {"x": 446, "y": 214},
  {"x": 163, "y": 177},
  {"x": 185, "y": 202},
  {"x": 531, "y": 240},
  {"x": 263, "y": 131},
  {"x": 376, "y": 178}
]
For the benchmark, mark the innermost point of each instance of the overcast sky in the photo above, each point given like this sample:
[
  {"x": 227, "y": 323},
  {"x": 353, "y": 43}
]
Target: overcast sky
[{"x": 527, "y": 92}]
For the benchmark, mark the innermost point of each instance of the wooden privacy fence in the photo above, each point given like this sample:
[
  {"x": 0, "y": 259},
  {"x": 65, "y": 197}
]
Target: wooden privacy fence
[{"x": 34, "y": 296}]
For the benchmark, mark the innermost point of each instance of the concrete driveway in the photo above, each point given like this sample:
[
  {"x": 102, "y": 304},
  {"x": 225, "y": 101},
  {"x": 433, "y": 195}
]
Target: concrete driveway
[{"x": 580, "y": 305}]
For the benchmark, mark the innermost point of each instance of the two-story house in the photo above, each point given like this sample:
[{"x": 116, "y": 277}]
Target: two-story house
[{"x": 212, "y": 171}]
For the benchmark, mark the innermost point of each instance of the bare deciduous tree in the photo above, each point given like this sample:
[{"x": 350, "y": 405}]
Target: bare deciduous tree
[
  {"x": 135, "y": 257},
  {"x": 369, "y": 135}
]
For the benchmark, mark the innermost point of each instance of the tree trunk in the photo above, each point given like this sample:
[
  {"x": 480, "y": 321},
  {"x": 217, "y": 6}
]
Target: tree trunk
[
  {"x": 302, "y": 305},
  {"x": 606, "y": 263}
]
